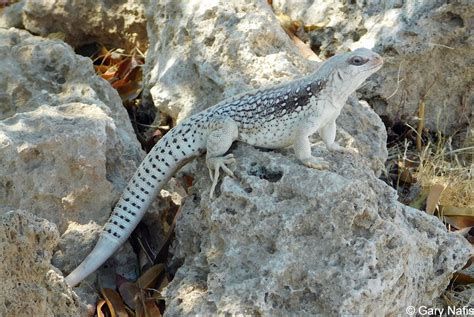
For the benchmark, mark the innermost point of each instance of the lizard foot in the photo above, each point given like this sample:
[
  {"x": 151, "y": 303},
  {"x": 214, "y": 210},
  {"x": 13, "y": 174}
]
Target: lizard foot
[
  {"x": 315, "y": 162},
  {"x": 336, "y": 147},
  {"x": 214, "y": 164}
]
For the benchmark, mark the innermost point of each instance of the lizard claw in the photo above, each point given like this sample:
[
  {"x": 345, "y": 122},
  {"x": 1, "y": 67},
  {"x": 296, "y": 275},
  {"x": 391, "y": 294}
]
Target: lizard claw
[
  {"x": 336, "y": 147},
  {"x": 315, "y": 162},
  {"x": 214, "y": 164}
]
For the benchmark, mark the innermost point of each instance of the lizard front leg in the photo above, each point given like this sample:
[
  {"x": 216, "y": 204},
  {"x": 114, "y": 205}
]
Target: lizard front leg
[
  {"x": 218, "y": 143},
  {"x": 328, "y": 134},
  {"x": 302, "y": 148}
]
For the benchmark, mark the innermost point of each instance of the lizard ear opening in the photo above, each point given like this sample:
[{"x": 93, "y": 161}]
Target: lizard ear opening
[{"x": 357, "y": 60}]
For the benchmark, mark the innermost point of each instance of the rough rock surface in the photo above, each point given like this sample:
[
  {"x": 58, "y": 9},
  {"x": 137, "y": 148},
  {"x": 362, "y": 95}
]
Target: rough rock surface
[
  {"x": 36, "y": 71},
  {"x": 427, "y": 47},
  {"x": 114, "y": 23},
  {"x": 31, "y": 286},
  {"x": 64, "y": 125},
  {"x": 285, "y": 240},
  {"x": 54, "y": 163},
  {"x": 204, "y": 51},
  {"x": 67, "y": 148},
  {"x": 10, "y": 17}
]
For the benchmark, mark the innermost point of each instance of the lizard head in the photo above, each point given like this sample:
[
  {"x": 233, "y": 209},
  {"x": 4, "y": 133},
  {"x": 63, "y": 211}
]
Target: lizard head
[
  {"x": 349, "y": 70},
  {"x": 362, "y": 63}
]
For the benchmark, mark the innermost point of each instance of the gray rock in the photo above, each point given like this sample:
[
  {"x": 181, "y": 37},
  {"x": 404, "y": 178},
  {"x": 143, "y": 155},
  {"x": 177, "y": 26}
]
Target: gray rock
[
  {"x": 10, "y": 17},
  {"x": 427, "y": 47},
  {"x": 361, "y": 129},
  {"x": 54, "y": 161},
  {"x": 67, "y": 148},
  {"x": 37, "y": 71},
  {"x": 118, "y": 24},
  {"x": 203, "y": 52},
  {"x": 285, "y": 240},
  {"x": 31, "y": 286}
]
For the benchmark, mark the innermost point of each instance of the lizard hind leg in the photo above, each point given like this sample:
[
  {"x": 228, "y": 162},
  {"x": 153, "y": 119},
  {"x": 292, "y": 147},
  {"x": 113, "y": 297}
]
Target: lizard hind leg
[{"x": 218, "y": 143}]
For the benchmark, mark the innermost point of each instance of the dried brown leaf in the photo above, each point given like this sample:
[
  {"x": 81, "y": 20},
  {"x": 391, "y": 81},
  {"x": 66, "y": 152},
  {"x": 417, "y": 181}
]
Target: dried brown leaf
[
  {"x": 457, "y": 211},
  {"x": 114, "y": 303},
  {"x": 433, "y": 197},
  {"x": 151, "y": 308},
  {"x": 317, "y": 26},
  {"x": 151, "y": 276},
  {"x": 462, "y": 278},
  {"x": 459, "y": 222},
  {"x": 289, "y": 25},
  {"x": 188, "y": 180},
  {"x": 129, "y": 292},
  {"x": 304, "y": 49},
  {"x": 100, "y": 304}
]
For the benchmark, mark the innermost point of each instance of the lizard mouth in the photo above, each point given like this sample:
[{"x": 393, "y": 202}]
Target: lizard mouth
[{"x": 377, "y": 64}]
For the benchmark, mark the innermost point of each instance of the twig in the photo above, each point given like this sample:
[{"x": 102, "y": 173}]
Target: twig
[
  {"x": 442, "y": 45},
  {"x": 398, "y": 81},
  {"x": 421, "y": 117}
]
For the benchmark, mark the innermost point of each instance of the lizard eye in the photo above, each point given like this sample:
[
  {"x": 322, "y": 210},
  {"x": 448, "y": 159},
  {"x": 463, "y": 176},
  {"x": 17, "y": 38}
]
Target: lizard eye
[{"x": 357, "y": 60}]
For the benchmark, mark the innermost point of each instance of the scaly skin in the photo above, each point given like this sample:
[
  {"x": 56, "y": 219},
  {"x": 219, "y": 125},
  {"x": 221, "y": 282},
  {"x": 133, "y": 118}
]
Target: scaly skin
[{"x": 273, "y": 117}]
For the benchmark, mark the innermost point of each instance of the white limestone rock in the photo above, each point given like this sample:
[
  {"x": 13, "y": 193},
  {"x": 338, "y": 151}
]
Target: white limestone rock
[
  {"x": 62, "y": 124},
  {"x": 427, "y": 47},
  {"x": 202, "y": 52},
  {"x": 31, "y": 286},
  {"x": 117, "y": 24},
  {"x": 67, "y": 148},
  {"x": 284, "y": 240},
  {"x": 37, "y": 71},
  {"x": 10, "y": 16},
  {"x": 54, "y": 161}
]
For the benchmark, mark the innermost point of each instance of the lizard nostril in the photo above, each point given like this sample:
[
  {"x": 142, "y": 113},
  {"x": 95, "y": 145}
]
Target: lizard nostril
[{"x": 378, "y": 59}]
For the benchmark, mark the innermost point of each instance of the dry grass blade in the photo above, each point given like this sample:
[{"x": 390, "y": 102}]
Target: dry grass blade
[
  {"x": 421, "y": 124},
  {"x": 421, "y": 118},
  {"x": 437, "y": 167}
]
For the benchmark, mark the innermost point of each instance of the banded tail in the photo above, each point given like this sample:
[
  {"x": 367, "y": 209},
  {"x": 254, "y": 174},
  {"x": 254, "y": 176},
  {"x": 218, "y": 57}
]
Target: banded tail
[{"x": 176, "y": 148}]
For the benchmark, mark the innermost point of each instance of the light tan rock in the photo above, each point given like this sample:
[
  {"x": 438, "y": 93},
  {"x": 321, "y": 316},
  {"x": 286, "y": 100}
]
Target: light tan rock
[
  {"x": 10, "y": 16},
  {"x": 38, "y": 72},
  {"x": 117, "y": 24},
  {"x": 31, "y": 286},
  {"x": 54, "y": 161},
  {"x": 426, "y": 45},
  {"x": 285, "y": 240},
  {"x": 202, "y": 52},
  {"x": 67, "y": 148}
]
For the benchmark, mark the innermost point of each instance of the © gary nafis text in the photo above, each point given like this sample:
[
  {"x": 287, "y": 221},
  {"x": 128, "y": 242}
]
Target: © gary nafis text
[{"x": 450, "y": 310}]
